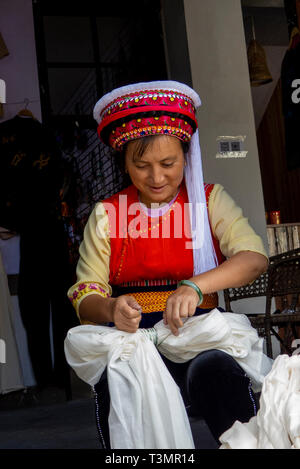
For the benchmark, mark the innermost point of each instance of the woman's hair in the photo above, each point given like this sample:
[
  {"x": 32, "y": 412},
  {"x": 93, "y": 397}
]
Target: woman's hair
[{"x": 141, "y": 145}]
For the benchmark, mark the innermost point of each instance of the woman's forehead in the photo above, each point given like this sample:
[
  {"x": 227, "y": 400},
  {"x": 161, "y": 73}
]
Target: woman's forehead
[{"x": 159, "y": 147}]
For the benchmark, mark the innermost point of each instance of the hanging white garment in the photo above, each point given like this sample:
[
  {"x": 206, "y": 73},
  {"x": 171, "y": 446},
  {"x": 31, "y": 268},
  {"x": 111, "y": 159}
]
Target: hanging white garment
[
  {"x": 147, "y": 410},
  {"x": 11, "y": 378},
  {"x": 277, "y": 423},
  {"x": 10, "y": 250}
]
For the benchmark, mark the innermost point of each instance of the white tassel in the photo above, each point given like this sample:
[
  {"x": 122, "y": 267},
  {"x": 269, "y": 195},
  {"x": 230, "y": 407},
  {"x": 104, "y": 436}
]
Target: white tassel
[{"x": 203, "y": 249}]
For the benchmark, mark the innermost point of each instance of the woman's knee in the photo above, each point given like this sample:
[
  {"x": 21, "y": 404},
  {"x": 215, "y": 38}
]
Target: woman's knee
[
  {"x": 218, "y": 388},
  {"x": 213, "y": 363}
]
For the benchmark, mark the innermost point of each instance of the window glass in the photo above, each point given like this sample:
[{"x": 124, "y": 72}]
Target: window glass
[
  {"x": 68, "y": 39},
  {"x": 72, "y": 90}
]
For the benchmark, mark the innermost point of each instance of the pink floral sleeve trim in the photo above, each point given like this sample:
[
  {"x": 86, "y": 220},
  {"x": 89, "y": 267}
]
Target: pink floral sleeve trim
[{"x": 84, "y": 288}]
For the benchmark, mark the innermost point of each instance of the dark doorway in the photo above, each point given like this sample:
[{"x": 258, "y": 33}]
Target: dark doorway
[{"x": 84, "y": 50}]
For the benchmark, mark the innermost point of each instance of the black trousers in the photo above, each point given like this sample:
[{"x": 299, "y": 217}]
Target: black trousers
[{"x": 213, "y": 387}]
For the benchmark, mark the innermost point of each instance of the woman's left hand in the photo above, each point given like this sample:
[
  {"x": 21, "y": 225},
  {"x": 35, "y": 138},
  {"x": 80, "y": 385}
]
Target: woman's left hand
[{"x": 180, "y": 304}]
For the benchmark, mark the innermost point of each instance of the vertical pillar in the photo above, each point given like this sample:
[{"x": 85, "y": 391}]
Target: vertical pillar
[{"x": 220, "y": 74}]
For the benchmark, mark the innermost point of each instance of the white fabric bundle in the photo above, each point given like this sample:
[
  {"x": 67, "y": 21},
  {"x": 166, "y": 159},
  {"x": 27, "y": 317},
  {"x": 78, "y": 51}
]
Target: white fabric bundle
[
  {"x": 277, "y": 423},
  {"x": 147, "y": 410}
]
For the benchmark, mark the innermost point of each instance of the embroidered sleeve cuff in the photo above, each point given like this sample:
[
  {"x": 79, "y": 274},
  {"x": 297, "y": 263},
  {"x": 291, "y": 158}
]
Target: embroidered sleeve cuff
[{"x": 84, "y": 289}]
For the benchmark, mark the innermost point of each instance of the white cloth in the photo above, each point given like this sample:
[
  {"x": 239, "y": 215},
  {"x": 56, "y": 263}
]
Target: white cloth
[
  {"x": 10, "y": 251},
  {"x": 147, "y": 410},
  {"x": 277, "y": 423}
]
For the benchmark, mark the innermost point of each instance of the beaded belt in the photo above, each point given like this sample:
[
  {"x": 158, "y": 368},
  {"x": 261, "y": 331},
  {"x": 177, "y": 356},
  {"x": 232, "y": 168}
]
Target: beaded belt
[{"x": 151, "y": 301}]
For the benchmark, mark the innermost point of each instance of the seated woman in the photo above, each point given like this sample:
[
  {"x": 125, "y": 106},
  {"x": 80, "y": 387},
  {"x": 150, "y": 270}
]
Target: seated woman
[{"x": 164, "y": 246}]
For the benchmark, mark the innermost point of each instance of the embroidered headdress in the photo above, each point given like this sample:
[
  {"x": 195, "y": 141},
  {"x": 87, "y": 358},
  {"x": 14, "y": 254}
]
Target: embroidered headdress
[
  {"x": 162, "y": 108},
  {"x": 142, "y": 112}
]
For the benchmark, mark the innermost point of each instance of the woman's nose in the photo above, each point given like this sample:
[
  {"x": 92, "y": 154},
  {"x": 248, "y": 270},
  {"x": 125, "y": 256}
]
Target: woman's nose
[{"x": 156, "y": 175}]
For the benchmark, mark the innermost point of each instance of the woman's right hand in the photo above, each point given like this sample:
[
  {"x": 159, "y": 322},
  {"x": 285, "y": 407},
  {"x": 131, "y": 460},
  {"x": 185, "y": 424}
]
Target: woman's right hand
[{"x": 126, "y": 313}]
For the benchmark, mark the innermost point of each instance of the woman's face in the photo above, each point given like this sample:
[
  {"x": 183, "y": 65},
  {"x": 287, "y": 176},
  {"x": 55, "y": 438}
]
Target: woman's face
[{"x": 158, "y": 173}]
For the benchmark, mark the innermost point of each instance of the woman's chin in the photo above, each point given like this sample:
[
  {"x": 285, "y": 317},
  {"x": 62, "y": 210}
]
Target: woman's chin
[{"x": 156, "y": 198}]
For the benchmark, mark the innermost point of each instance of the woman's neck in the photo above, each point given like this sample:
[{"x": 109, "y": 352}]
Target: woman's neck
[{"x": 155, "y": 209}]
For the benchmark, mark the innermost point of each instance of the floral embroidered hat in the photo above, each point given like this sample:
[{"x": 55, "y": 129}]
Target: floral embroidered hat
[{"x": 135, "y": 111}]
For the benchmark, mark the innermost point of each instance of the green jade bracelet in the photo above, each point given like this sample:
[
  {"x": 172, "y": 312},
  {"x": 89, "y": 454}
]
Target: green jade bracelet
[{"x": 194, "y": 286}]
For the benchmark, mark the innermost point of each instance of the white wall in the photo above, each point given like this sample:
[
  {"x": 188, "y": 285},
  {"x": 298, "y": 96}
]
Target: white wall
[
  {"x": 19, "y": 68},
  {"x": 220, "y": 75}
]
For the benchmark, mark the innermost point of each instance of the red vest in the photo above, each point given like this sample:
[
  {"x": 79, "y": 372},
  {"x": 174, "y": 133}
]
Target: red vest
[{"x": 143, "y": 248}]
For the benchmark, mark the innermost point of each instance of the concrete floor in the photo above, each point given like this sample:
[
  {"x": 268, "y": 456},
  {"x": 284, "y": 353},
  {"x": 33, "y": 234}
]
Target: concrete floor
[{"x": 45, "y": 420}]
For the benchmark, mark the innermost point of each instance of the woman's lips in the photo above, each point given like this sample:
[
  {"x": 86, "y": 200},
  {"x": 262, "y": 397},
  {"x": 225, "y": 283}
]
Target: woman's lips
[{"x": 157, "y": 189}]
